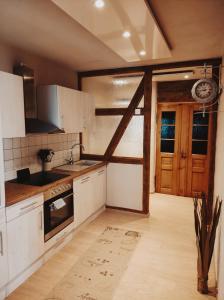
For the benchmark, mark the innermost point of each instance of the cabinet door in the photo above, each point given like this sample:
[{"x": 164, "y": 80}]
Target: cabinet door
[
  {"x": 99, "y": 189},
  {"x": 3, "y": 257},
  {"x": 88, "y": 111},
  {"x": 25, "y": 240},
  {"x": 12, "y": 105},
  {"x": 124, "y": 185},
  {"x": 82, "y": 199},
  {"x": 71, "y": 110}
]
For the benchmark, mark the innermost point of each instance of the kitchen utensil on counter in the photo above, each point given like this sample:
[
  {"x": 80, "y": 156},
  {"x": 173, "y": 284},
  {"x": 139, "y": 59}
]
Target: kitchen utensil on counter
[{"x": 46, "y": 155}]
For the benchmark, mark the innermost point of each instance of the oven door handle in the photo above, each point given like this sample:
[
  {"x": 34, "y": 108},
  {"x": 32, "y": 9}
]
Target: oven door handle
[
  {"x": 52, "y": 206},
  {"x": 68, "y": 196}
]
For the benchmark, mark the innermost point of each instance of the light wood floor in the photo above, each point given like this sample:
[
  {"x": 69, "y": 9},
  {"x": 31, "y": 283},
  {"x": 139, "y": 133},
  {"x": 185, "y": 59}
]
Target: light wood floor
[{"x": 163, "y": 266}]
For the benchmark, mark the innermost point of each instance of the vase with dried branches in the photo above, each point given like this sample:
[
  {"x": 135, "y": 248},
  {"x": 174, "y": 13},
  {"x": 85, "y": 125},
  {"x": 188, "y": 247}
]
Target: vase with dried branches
[{"x": 206, "y": 222}]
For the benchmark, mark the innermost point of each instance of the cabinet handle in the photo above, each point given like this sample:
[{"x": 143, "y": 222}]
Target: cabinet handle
[
  {"x": 28, "y": 206},
  {"x": 1, "y": 242},
  {"x": 41, "y": 220}
]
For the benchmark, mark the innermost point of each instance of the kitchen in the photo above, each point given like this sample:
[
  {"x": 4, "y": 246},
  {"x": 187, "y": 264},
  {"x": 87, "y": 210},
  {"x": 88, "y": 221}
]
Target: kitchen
[{"x": 77, "y": 151}]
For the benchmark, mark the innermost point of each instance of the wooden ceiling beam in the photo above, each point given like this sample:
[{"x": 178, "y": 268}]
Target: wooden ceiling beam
[
  {"x": 115, "y": 111},
  {"x": 158, "y": 23},
  {"x": 125, "y": 121},
  {"x": 172, "y": 65}
]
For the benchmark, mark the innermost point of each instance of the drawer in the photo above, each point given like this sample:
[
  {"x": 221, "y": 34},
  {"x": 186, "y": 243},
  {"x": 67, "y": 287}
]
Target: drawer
[{"x": 23, "y": 207}]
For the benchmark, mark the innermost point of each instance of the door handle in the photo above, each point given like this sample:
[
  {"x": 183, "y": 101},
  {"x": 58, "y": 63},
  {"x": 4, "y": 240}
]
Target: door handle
[
  {"x": 1, "y": 242},
  {"x": 183, "y": 155}
]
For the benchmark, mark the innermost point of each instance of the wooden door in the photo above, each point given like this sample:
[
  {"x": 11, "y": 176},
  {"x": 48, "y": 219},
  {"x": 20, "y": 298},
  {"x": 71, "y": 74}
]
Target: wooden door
[{"x": 183, "y": 149}]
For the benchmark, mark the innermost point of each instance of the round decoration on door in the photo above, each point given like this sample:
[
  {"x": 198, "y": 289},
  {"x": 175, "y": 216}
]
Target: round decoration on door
[{"x": 204, "y": 90}]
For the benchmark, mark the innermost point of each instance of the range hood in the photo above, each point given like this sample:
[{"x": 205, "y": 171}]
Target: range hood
[{"x": 32, "y": 123}]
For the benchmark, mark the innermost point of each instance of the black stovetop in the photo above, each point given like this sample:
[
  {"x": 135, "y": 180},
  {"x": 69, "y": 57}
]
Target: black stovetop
[{"x": 40, "y": 178}]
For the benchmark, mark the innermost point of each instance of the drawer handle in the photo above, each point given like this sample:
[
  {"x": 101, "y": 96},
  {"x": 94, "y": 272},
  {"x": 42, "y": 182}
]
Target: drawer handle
[
  {"x": 28, "y": 206},
  {"x": 101, "y": 172},
  {"x": 1, "y": 242},
  {"x": 85, "y": 179}
]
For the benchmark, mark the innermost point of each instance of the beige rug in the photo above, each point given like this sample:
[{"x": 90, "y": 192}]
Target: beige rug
[{"x": 96, "y": 275}]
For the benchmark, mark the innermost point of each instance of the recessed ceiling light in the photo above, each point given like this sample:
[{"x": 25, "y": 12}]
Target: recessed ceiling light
[
  {"x": 186, "y": 76},
  {"x": 142, "y": 53},
  {"x": 120, "y": 82},
  {"x": 99, "y": 3},
  {"x": 126, "y": 34}
]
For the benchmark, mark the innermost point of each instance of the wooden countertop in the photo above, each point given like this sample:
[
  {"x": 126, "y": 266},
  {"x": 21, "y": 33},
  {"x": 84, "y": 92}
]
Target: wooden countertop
[{"x": 15, "y": 192}]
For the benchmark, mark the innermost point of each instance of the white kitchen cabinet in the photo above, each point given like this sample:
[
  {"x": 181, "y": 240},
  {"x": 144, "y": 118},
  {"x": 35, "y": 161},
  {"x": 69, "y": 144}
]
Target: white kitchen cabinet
[
  {"x": 99, "y": 184},
  {"x": 12, "y": 105},
  {"x": 83, "y": 195},
  {"x": 2, "y": 179},
  {"x": 88, "y": 111},
  {"x": 25, "y": 233},
  {"x": 89, "y": 195},
  {"x": 3, "y": 260},
  {"x": 124, "y": 185},
  {"x": 60, "y": 106}
]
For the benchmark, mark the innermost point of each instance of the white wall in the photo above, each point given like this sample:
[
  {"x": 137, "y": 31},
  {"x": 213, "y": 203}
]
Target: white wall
[{"x": 219, "y": 190}]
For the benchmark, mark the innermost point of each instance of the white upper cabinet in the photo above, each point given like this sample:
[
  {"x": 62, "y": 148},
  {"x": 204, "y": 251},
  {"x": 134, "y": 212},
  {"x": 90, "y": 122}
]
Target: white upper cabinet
[
  {"x": 12, "y": 105},
  {"x": 61, "y": 106},
  {"x": 88, "y": 111}
]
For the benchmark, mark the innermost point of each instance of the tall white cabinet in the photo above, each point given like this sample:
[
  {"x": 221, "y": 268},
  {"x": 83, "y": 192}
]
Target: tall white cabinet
[{"x": 12, "y": 105}]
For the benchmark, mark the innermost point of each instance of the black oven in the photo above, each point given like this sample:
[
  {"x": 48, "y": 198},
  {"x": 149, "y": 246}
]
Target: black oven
[{"x": 58, "y": 209}]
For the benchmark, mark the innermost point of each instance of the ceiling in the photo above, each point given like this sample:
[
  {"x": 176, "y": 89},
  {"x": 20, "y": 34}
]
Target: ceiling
[
  {"x": 194, "y": 28},
  {"x": 116, "y": 18}
]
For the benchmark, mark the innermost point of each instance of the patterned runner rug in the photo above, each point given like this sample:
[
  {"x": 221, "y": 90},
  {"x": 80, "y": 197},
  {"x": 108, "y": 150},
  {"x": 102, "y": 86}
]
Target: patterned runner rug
[{"x": 98, "y": 272}]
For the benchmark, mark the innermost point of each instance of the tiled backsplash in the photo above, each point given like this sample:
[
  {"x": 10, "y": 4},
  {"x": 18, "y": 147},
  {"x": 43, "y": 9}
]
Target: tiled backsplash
[{"x": 21, "y": 153}]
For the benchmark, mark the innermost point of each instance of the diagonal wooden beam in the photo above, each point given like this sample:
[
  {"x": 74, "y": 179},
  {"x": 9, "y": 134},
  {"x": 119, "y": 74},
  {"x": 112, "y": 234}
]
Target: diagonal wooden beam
[
  {"x": 125, "y": 121},
  {"x": 146, "y": 139}
]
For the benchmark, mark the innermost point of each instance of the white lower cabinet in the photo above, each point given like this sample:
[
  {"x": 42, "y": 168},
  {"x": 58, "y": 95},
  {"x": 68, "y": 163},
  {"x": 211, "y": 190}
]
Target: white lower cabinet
[
  {"x": 89, "y": 195},
  {"x": 25, "y": 234},
  {"x": 3, "y": 261},
  {"x": 99, "y": 183},
  {"x": 83, "y": 190}
]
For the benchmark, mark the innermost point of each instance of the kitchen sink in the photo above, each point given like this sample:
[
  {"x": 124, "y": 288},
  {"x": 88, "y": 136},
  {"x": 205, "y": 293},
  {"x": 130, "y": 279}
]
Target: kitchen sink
[
  {"x": 87, "y": 163},
  {"x": 79, "y": 165}
]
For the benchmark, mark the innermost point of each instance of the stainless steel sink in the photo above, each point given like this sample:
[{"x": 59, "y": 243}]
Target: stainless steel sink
[
  {"x": 87, "y": 163},
  {"x": 79, "y": 165}
]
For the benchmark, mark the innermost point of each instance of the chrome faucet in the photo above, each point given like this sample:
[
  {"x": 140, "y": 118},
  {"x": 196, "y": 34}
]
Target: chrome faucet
[{"x": 71, "y": 160}]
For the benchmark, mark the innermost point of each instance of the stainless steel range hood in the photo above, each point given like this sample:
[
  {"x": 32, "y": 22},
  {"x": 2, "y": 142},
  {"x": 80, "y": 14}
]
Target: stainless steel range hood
[{"x": 33, "y": 124}]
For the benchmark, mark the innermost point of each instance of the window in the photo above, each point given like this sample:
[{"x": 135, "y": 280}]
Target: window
[
  {"x": 168, "y": 120},
  {"x": 200, "y": 133}
]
